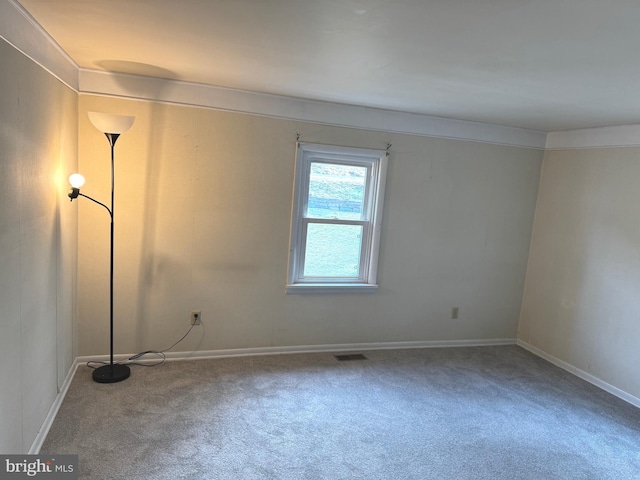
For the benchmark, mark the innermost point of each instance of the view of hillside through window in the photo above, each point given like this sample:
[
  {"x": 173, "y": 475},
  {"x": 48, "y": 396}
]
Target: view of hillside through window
[{"x": 335, "y": 192}]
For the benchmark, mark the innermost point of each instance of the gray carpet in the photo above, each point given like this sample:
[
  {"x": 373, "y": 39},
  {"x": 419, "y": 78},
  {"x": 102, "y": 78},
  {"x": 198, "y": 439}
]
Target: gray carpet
[{"x": 444, "y": 413}]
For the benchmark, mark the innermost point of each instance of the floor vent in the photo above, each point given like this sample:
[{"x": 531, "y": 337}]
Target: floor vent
[{"x": 350, "y": 356}]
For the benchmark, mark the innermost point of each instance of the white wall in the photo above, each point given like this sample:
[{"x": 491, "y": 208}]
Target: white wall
[
  {"x": 203, "y": 223},
  {"x": 581, "y": 302},
  {"x": 203, "y": 206},
  {"x": 38, "y": 145}
]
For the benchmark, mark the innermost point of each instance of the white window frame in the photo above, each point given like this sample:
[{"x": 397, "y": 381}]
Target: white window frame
[{"x": 376, "y": 163}]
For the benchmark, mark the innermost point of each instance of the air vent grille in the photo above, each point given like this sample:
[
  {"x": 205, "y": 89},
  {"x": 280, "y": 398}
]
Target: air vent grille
[{"x": 350, "y": 356}]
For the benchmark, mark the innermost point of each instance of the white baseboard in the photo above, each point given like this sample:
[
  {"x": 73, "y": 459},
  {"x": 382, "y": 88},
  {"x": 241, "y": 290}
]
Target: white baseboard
[
  {"x": 627, "y": 397},
  {"x": 341, "y": 347},
  {"x": 53, "y": 411},
  {"x": 243, "y": 352},
  {"x": 239, "y": 352}
]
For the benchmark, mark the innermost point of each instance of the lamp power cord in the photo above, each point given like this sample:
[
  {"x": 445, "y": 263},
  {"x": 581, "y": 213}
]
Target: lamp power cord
[{"x": 132, "y": 360}]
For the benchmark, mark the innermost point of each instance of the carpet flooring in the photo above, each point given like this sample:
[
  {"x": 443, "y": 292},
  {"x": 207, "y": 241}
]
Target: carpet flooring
[{"x": 443, "y": 413}]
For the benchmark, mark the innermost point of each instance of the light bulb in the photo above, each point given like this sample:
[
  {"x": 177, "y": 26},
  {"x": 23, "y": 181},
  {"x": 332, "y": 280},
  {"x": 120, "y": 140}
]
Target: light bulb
[{"x": 76, "y": 180}]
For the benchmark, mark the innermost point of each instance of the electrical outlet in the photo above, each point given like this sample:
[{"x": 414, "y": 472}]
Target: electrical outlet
[
  {"x": 196, "y": 317},
  {"x": 454, "y": 313}
]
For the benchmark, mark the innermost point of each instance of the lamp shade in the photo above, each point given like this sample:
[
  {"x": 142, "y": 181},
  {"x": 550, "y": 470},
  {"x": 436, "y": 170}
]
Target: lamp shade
[
  {"x": 76, "y": 180},
  {"x": 107, "y": 123}
]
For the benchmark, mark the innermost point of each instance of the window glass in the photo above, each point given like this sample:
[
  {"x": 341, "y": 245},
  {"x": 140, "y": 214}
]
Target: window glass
[
  {"x": 336, "y": 191},
  {"x": 333, "y": 250}
]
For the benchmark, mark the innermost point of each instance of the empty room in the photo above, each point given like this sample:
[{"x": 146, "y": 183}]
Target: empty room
[{"x": 319, "y": 239}]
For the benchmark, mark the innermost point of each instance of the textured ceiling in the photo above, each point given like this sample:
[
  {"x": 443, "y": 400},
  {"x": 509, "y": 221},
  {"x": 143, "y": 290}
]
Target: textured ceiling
[{"x": 542, "y": 64}]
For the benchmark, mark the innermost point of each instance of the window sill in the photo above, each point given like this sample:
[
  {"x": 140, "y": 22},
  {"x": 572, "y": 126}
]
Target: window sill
[{"x": 331, "y": 288}]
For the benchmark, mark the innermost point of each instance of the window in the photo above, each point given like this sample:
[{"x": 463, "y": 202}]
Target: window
[{"x": 336, "y": 218}]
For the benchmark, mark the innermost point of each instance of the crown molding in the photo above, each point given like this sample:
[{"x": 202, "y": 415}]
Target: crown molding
[
  {"x": 19, "y": 29},
  {"x": 290, "y": 108},
  {"x": 603, "y": 137}
]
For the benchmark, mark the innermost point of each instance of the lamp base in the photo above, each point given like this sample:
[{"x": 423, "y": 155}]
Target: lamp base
[{"x": 111, "y": 373}]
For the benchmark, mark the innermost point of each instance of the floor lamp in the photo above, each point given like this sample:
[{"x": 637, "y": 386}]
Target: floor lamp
[{"x": 112, "y": 126}]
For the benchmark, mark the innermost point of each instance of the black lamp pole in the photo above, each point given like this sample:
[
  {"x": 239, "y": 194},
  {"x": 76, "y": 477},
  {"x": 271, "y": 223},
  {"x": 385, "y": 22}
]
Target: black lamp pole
[{"x": 112, "y": 372}]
